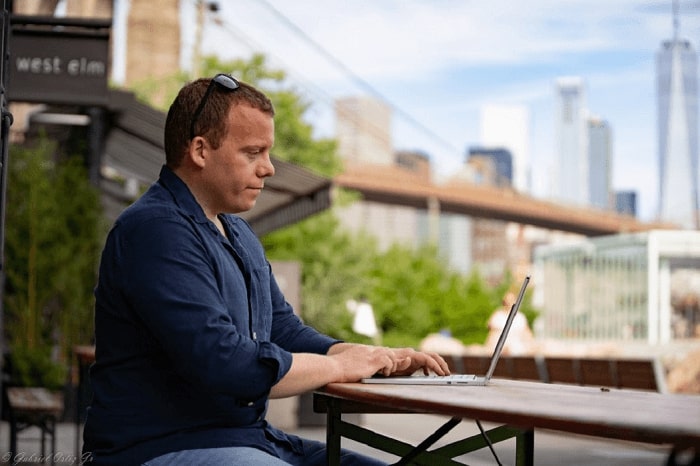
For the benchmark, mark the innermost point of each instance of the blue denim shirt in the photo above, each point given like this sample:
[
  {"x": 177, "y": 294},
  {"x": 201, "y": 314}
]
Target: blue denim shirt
[{"x": 191, "y": 332}]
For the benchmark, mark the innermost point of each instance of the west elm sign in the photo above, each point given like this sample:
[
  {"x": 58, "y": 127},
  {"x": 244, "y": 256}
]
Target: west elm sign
[{"x": 49, "y": 66}]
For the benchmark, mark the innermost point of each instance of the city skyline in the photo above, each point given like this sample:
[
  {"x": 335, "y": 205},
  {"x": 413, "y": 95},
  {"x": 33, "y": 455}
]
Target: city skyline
[{"x": 454, "y": 58}]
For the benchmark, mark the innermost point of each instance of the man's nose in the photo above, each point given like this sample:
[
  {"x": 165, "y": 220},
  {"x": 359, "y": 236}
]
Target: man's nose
[{"x": 266, "y": 167}]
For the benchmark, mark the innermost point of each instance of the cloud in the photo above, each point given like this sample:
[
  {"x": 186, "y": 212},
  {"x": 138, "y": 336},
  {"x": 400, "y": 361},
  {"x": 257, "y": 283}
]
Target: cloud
[{"x": 389, "y": 39}]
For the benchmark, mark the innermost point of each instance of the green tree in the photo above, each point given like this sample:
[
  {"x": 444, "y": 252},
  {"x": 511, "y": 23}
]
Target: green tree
[
  {"x": 416, "y": 294},
  {"x": 335, "y": 266},
  {"x": 53, "y": 232}
]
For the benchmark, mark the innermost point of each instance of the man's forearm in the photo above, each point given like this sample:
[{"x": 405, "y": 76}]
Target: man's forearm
[
  {"x": 308, "y": 372},
  {"x": 350, "y": 362}
]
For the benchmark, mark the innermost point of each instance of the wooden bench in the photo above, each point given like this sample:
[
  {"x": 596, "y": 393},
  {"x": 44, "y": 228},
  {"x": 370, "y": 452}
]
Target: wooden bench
[
  {"x": 33, "y": 406},
  {"x": 526, "y": 367},
  {"x": 562, "y": 370},
  {"x": 594, "y": 371},
  {"x": 640, "y": 374},
  {"x": 509, "y": 367},
  {"x": 475, "y": 364},
  {"x": 626, "y": 373}
]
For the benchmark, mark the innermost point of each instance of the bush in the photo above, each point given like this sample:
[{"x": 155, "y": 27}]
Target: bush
[
  {"x": 36, "y": 368},
  {"x": 53, "y": 236}
]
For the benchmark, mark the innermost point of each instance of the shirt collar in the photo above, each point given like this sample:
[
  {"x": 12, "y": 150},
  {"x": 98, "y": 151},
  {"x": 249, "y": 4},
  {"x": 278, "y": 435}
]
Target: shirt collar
[
  {"x": 181, "y": 194},
  {"x": 185, "y": 199}
]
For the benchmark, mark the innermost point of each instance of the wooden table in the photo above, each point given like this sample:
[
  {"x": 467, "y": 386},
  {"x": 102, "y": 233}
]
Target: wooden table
[{"x": 520, "y": 407}]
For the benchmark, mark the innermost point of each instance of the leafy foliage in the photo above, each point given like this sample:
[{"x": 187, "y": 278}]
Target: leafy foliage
[
  {"x": 36, "y": 368},
  {"x": 334, "y": 267},
  {"x": 54, "y": 227},
  {"x": 415, "y": 294}
]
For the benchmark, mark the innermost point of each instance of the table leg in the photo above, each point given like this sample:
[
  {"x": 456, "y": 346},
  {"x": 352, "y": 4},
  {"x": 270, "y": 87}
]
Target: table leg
[
  {"x": 13, "y": 440},
  {"x": 43, "y": 423},
  {"x": 53, "y": 441},
  {"x": 78, "y": 401},
  {"x": 525, "y": 448},
  {"x": 78, "y": 404},
  {"x": 332, "y": 433}
]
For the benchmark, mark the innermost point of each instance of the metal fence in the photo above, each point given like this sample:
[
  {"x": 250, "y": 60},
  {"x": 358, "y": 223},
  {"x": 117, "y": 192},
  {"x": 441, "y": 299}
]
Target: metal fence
[{"x": 641, "y": 286}]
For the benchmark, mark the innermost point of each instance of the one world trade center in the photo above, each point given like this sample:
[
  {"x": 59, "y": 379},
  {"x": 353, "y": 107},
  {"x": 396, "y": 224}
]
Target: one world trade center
[{"x": 677, "y": 83}]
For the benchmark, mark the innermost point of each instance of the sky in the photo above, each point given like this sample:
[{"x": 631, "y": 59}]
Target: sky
[{"x": 437, "y": 63}]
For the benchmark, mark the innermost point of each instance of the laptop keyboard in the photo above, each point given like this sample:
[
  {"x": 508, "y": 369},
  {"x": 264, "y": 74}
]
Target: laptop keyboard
[{"x": 453, "y": 377}]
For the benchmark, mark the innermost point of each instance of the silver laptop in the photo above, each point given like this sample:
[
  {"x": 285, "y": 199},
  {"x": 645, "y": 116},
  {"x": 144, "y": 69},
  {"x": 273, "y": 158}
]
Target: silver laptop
[{"x": 461, "y": 379}]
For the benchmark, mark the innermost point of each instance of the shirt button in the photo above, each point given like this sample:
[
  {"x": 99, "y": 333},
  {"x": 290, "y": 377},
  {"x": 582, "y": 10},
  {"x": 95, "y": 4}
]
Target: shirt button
[{"x": 251, "y": 403}]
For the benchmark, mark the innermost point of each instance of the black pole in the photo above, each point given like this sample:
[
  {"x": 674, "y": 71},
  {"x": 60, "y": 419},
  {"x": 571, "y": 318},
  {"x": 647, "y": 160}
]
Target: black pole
[
  {"x": 5, "y": 123},
  {"x": 95, "y": 143}
]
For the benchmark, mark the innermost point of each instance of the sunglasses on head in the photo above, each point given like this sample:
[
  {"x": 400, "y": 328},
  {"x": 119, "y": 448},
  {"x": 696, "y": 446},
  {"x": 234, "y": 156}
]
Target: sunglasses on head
[{"x": 221, "y": 80}]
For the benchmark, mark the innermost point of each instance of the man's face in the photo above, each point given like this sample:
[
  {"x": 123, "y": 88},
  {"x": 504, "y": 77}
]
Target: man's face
[{"x": 234, "y": 174}]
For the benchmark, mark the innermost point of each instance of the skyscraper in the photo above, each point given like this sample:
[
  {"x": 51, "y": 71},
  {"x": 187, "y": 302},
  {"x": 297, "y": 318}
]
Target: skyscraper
[
  {"x": 676, "y": 65},
  {"x": 626, "y": 202},
  {"x": 502, "y": 162},
  {"x": 571, "y": 164},
  {"x": 600, "y": 164}
]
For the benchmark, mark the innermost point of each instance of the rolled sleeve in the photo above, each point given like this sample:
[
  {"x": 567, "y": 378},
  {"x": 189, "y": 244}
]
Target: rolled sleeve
[{"x": 272, "y": 354}]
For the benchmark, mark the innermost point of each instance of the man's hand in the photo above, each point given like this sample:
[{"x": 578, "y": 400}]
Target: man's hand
[
  {"x": 357, "y": 361},
  {"x": 413, "y": 360},
  {"x": 386, "y": 361}
]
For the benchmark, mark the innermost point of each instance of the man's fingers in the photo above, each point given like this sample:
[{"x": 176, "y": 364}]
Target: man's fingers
[{"x": 404, "y": 364}]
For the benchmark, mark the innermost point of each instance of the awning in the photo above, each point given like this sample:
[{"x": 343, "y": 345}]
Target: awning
[{"x": 134, "y": 149}]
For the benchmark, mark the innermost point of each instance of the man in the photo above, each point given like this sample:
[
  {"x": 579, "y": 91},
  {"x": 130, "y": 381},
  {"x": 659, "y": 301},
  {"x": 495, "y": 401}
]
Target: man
[{"x": 193, "y": 334}]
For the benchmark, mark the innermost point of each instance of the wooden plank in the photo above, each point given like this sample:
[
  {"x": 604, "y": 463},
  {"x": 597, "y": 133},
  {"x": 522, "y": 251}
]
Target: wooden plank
[
  {"x": 504, "y": 367},
  {"x": 475, "y": 364},
  {"x": 595, "y": 371},
  {"x": 641, "y": 374},
  {"x": 526, "y": 368},
  {"x": 562, "y": 370},
  {"x": 454, "y": 362}
]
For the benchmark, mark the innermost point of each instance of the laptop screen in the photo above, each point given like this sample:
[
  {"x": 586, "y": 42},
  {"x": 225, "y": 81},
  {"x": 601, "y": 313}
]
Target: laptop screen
[{"x": 502, "y": 339}]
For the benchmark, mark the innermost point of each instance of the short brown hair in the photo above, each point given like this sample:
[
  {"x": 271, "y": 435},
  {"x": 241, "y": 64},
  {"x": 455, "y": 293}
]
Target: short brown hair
[{"x": 212, "y": 121}]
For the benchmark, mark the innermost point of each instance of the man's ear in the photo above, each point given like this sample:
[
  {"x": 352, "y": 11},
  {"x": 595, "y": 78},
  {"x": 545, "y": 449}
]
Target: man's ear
[{"x": 197, "y": 151}]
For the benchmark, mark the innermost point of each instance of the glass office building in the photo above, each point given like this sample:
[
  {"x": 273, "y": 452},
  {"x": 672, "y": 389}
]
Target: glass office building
[
  {"x": 626, "y": 203},
  {"x": 677, "y": 86},
  {"x": 502, "y": 162},
  {"x": 572, "y": 142},
  {"x": 600, "y": 164}
]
